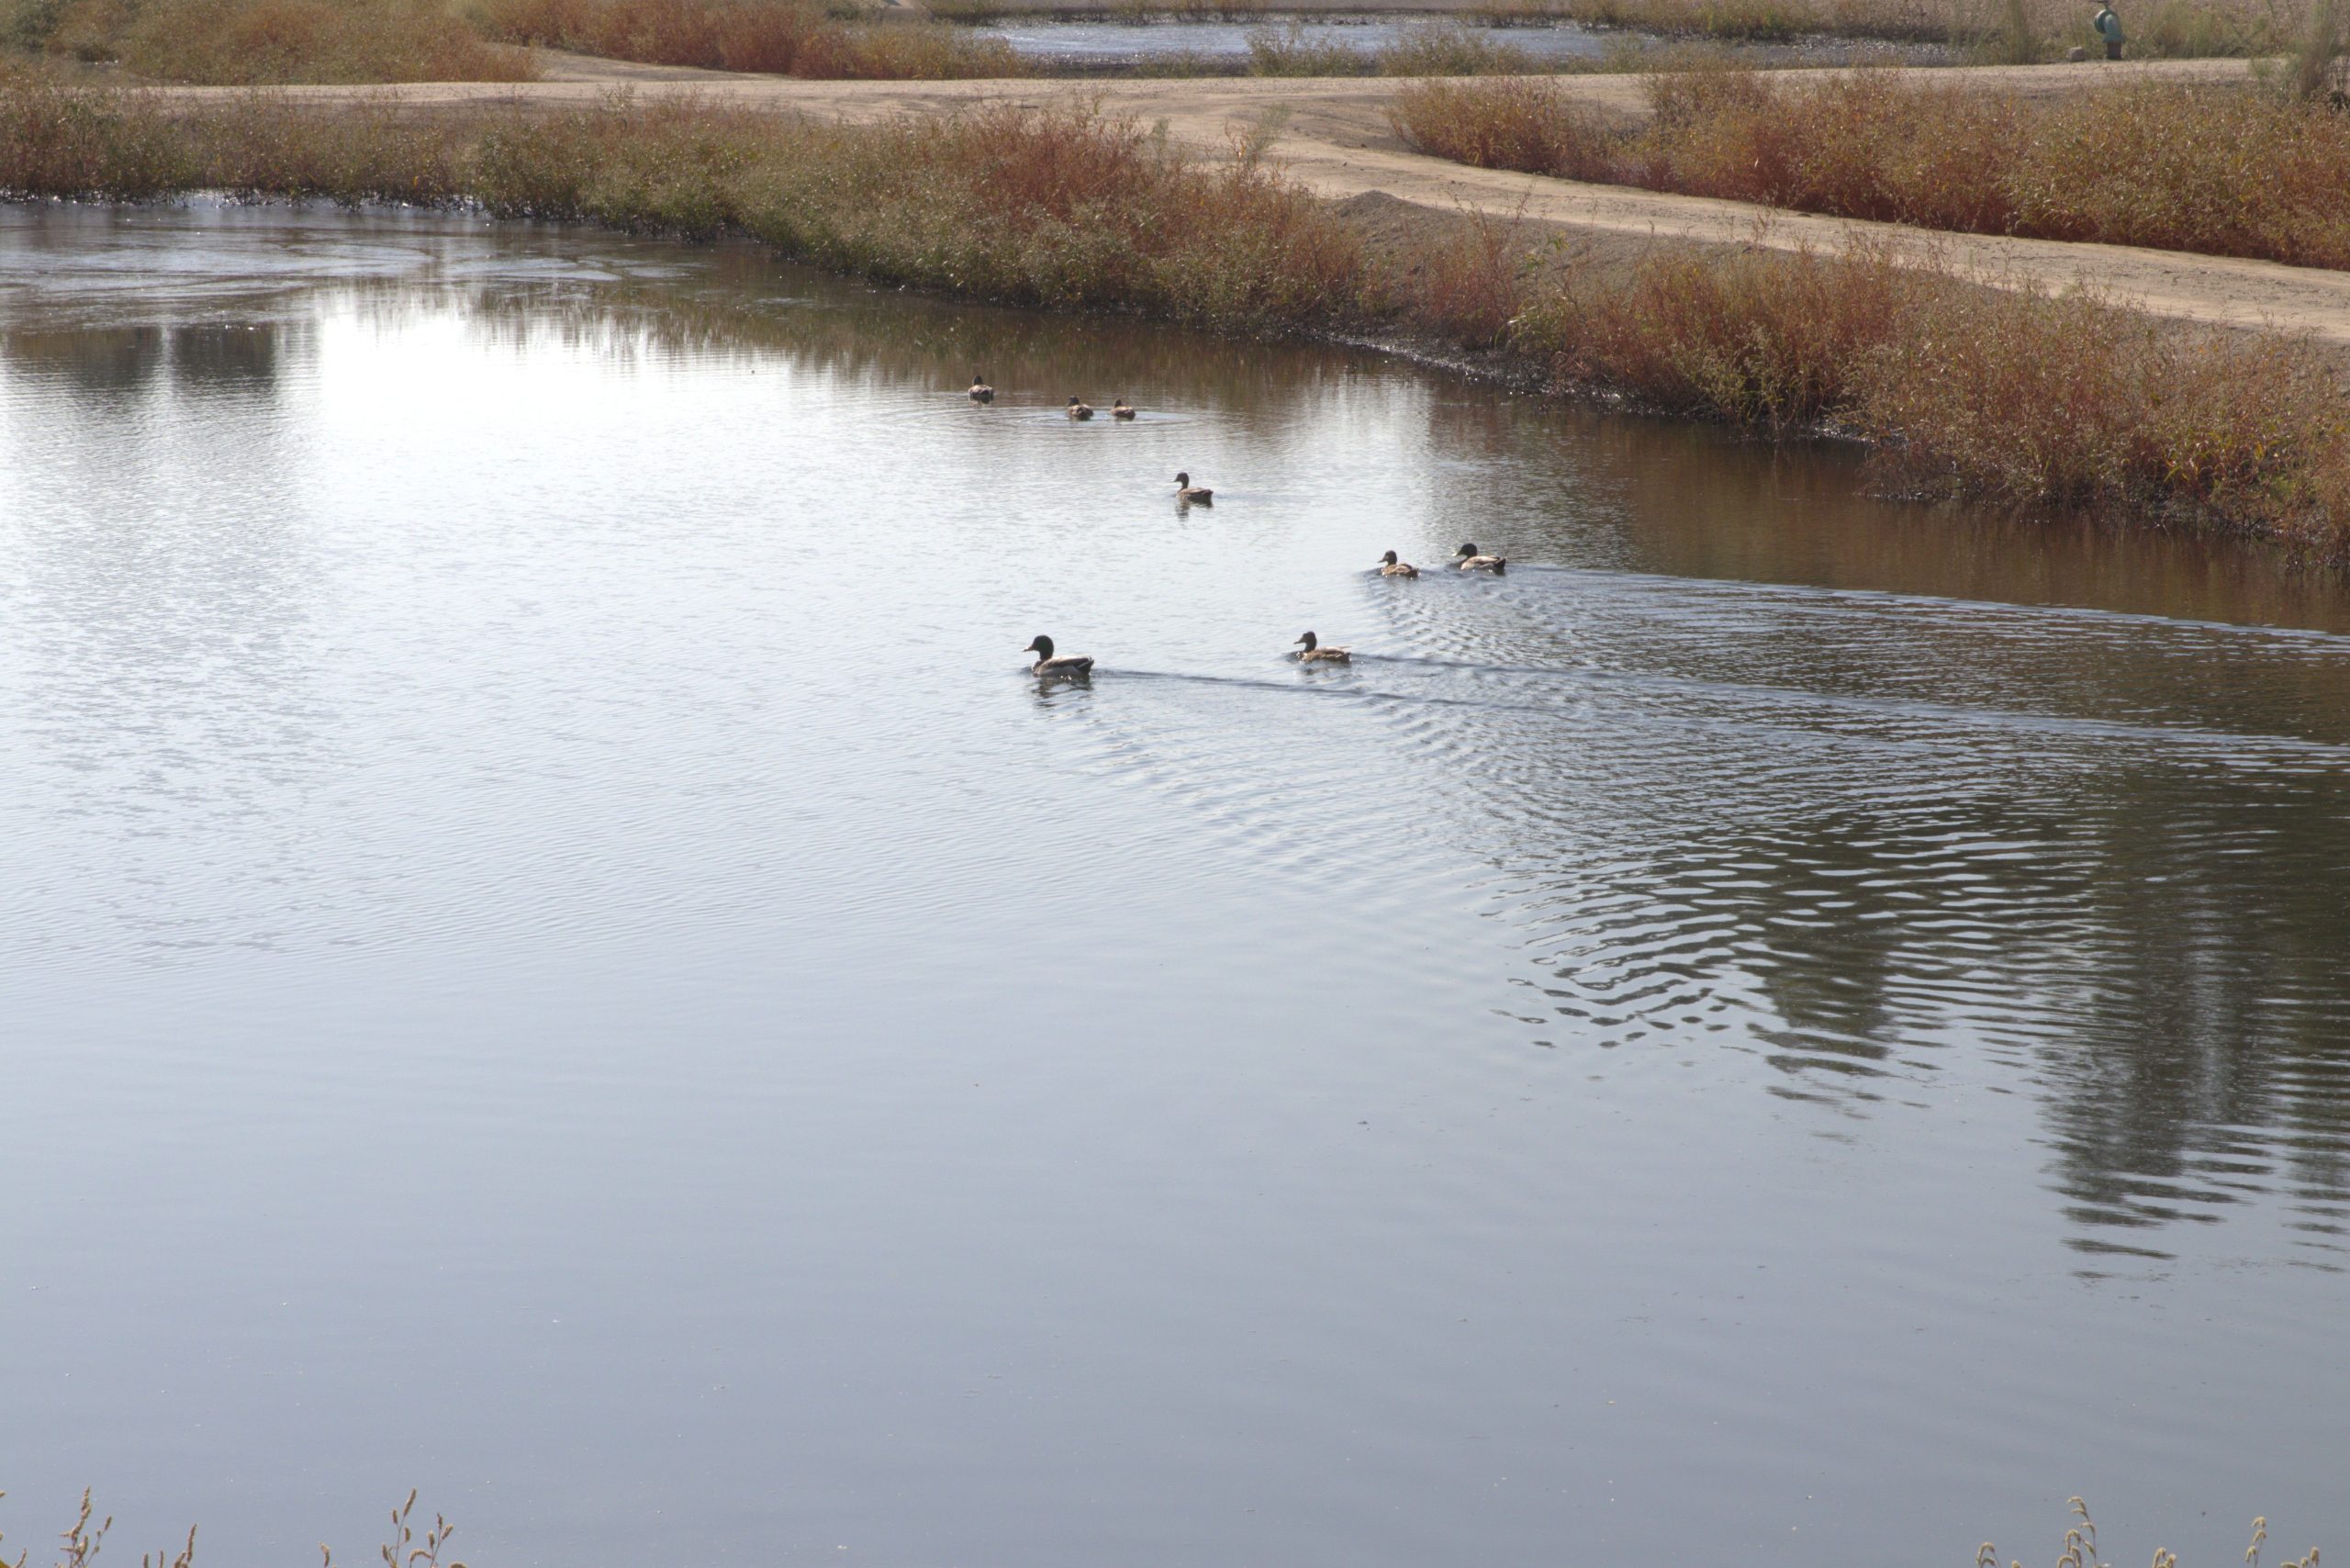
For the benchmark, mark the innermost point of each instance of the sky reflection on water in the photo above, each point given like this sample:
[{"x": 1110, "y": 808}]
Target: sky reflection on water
[{"x": 555, "y": 956}]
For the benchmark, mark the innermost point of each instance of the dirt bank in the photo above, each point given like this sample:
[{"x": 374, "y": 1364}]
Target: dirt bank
[{"x": 1335, "y": 139}]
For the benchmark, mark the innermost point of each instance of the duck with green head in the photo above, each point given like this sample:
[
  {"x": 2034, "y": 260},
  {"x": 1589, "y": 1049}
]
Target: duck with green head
[
  {"x": 1466, "y": 559},
  {"x": 1068, "y": 667}
]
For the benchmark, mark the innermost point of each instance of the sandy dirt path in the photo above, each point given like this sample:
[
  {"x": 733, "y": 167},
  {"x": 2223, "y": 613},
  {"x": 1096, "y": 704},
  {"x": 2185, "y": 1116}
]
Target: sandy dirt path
[{"x": 1336, "y": 140}]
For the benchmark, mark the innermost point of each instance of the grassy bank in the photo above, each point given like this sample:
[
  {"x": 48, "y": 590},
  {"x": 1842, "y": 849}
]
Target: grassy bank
[
  {"x": 2231, "y": 172},
  {"x": 1966, "y": 390}
]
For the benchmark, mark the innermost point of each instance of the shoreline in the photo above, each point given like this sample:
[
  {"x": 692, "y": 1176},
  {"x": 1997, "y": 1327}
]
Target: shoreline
[{"x": 1588, "y": 313}]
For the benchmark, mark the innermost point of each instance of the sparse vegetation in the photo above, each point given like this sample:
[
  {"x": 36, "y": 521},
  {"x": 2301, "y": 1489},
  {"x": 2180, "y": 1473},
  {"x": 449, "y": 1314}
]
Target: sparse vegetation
[
  {"x": 79, "y": 1545},
  {"x": 2080, "y": 1549},
  {"x": 1967, "y": 390},
  {"x": 2232, "y": 172}
]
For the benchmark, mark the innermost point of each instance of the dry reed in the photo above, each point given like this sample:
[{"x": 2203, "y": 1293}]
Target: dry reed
[
  {"x": 2080, "y": 1549},
  {"x": 2234, "y": 171}
]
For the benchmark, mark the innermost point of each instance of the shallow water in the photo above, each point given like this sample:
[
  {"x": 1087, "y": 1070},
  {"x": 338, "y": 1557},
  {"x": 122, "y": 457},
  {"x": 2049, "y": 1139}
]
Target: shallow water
[
  {"x": 1058, "y": 39},
  {"x": 554, "y": 954},
  {"x": 1113, "y": 44}
]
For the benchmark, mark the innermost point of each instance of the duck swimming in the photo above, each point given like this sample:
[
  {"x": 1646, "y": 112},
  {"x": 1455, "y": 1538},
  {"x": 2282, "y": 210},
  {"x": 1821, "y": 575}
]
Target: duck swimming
[
  {"x": 1389, "y": 566},
  {"x": 1078, "y": 410},
  {"x": 1069, "y": 666},
  {"x": 1197, "y": 495},
  {"x": 1311, "y": 653},
  {"x": 1122, "y": 409},
  {"x": 981, "y": 391},
  {"x": 1466, "y": 559}
]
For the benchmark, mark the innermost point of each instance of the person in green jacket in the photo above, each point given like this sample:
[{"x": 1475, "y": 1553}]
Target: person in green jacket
[{"x": 2108, "y": 27}]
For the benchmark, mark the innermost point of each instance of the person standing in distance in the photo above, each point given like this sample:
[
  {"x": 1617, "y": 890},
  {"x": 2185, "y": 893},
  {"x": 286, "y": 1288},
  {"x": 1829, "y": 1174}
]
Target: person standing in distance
[{"x": 2108, "y": 27}]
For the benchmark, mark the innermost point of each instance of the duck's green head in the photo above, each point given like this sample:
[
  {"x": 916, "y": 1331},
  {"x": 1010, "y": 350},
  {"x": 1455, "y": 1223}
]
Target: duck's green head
[{"x": 1042, "y": 647}]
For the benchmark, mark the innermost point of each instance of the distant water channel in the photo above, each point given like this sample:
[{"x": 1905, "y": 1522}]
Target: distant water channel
[
  {"x": 551, "y": 953},
  {"x": 1114, "y": 43}
]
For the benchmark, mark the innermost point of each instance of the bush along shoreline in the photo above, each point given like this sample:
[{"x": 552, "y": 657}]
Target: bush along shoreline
[{"x": 2007, "y": 397}]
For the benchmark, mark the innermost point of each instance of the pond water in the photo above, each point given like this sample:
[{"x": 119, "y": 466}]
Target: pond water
[
  {"x": 552, "y": 953},
  {"x": 1111, "y": 43}
]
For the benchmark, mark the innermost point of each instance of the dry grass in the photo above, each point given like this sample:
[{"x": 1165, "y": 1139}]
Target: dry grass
[
  {"x": 247, "y": 42},
  {"x": 2231, "y": 172},
  {"x": 2080, "y": 1550},
  {"x": 2007, "y": 395},
  {"x": 782, "y": 37},
  {"x": 80, "y": 1543}
]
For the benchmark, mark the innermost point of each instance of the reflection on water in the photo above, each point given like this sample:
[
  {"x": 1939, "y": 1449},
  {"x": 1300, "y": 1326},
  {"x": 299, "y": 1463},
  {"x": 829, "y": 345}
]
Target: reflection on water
[{"x": 1766, "y": 1011}]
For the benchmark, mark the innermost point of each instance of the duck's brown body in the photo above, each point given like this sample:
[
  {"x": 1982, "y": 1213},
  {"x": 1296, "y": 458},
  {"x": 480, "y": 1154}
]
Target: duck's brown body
[
  {"x": 1312, "y": 652},
  {"x": 1389, "y": 566},
  {"x": 1068, "y": 667}
]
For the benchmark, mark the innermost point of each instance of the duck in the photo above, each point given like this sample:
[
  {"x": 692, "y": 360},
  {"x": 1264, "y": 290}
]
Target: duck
[
  {"x": 1466, "y": 559},
  {"x": 1312, "y": 652},
  {"x": 1079, "y": 410},
  {"x": 1196, "y": 495},
  {"x": 981, "y": 391},
  {"x": 1068, "y": 666},
  {"x": 1389, "y": 566},
  {"x": 1122, "y": 409}
]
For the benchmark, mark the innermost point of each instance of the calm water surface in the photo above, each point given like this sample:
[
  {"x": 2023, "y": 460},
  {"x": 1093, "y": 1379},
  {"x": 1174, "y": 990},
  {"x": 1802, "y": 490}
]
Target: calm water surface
[
  {"x": 1111, "y": 42},
  {"x": 552, "y": 953}
]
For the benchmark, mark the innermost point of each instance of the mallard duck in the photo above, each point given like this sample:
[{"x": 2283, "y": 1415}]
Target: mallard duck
[
  {"x": 1122, "y": 409},
  {"x": 1311, "y": 653},
  {"x": 1073, "y": 666},
  {"x": 1196, "y": 495},
  {"x": 981, "y": 391},
  {"x": 1466, "y": 559},
  {"x": 1078, "y": 410},
  {"x": 1389, "y": 566}
]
